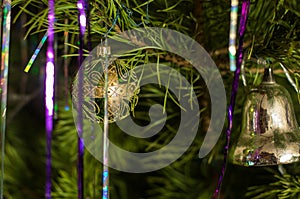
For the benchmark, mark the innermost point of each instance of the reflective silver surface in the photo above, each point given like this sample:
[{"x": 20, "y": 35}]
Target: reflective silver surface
[{"x": 270, "y": 134}]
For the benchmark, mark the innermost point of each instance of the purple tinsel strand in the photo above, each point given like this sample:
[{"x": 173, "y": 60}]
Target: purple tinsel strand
[
  {"x": 82, "y": 26},
  {"x": 235, "y": 84},
  {"x": 49, "y": 96}
]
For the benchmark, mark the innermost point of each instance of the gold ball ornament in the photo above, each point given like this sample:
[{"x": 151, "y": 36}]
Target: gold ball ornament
[
  {"x": 121, "y": 94},
  {"x": 122, "y": 88}
]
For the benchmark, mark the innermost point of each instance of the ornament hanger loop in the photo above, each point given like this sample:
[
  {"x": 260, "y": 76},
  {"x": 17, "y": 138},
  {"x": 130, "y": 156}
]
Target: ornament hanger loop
[{"x": 267, "y": 64}]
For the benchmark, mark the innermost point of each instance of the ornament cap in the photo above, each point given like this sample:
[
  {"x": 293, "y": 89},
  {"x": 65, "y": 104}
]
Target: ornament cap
[{"x": 268, "y": 76}]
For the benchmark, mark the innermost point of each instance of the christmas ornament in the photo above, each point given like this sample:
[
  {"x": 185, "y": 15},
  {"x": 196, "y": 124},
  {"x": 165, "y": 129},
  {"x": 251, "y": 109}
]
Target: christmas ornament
[
  {"x": 232, "y": 34},
  {"x": 270, "y": 134},
  {"x": 122, "y": 88},
  {"x": 5, "y": 34},
  {"x": 49, "y": 96},
  {"x": 104, "y": 51},
  {"x": 119, "y": 93},
  {"x": 112, "y": 94},
  {"x": 235, "y": 84},
  {"x": 109, "y": 91},
  {"x": 103, "y": 92},
  {"x": 36, "y": 52},
  {"x": 80, "y": 141}
]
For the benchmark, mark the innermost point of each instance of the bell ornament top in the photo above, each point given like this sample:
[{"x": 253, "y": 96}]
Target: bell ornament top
[{"x": 268, "y": 76}]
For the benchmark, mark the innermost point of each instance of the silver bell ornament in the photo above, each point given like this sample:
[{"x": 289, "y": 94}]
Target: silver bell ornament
[{"x": 270, "y": 134}]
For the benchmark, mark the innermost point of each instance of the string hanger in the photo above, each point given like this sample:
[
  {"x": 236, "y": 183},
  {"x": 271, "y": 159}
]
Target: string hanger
[
  {"x": 261, "y": 61},
  {"x": 267, "y": 63},
  {"x": 130, "y": 12}
]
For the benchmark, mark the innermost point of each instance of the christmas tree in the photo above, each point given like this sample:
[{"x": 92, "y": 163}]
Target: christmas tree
[{"x": 272, "y": 34}]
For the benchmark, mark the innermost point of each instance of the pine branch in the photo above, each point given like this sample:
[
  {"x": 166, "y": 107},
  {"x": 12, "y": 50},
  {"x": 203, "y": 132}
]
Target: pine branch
[{"x": 285, "y": 187}]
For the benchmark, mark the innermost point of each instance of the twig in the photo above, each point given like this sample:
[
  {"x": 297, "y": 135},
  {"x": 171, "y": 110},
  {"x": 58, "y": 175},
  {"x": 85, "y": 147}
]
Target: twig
[{"x": 22, "y": 100}]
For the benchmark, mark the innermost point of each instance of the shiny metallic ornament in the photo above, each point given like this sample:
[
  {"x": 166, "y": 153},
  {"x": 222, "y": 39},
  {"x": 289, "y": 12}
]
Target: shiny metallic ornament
[
  {"x": 270, "y": 134},
  {"x": 120, "y": 93}
]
